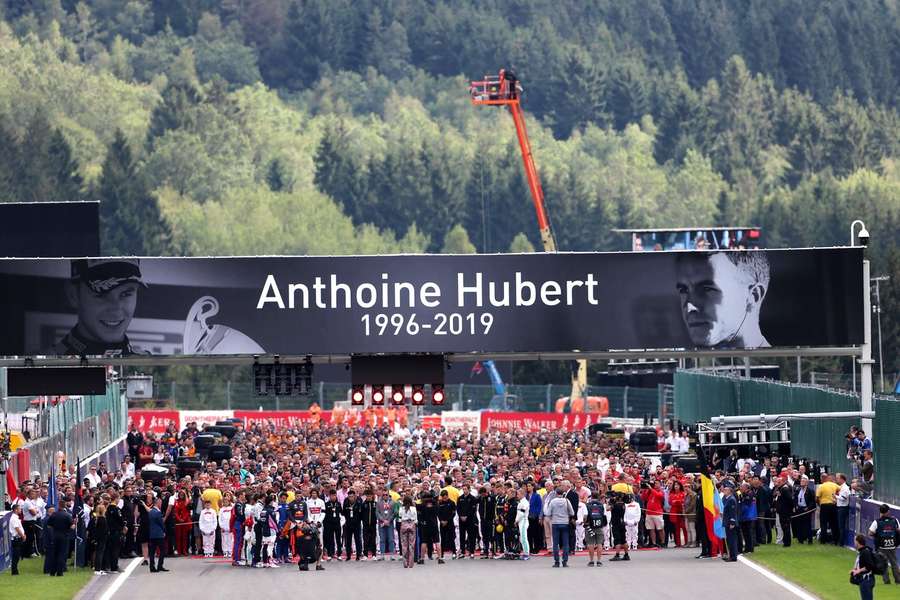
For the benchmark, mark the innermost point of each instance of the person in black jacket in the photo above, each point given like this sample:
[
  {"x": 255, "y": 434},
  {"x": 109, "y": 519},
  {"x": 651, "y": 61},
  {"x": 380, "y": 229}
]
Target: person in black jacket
[
  {"x": 764, "y": 510},
  {"x": 331, "y": 526},
  {"x": 369, "y": 525},
  {"x": 427, "y": 515},
  {"x": 128, "y": 508},
  {"x": 60, "y": 525},
  {"x": 572, "y": 497},
  {"x": 446, "y": 513},
  {"x": 467, "y": 510},
  {"x": 100, "y": 533},
  {"x": 238, "y": 516},
  {"x": 784, "y": 507},
  {"x": 486, "y": 508},
  {"x": 352, "y": 511},
  {"x": 135, "y": 440},
  {"x": 116, "y": 525},
  {"x": 863, "y": 572},
  {"x": 804, "y": 511}
]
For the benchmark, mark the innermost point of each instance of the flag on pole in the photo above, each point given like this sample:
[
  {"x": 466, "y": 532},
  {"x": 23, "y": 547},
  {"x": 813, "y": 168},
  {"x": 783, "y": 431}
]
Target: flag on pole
[
  {"x": 712, "y": 506},
  {"x": 712, "y": 512},
  {"x": 11, "y": 488},
  {"x": 79, "y": 501},
  {"x": 52, "y": 494}
]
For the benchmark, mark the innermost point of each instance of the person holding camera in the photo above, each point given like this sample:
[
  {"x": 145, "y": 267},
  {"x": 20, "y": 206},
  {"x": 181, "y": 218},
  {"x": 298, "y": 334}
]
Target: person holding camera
[
  {"x": 863, "y": 571},
  {"x": 886, "y": 531}
]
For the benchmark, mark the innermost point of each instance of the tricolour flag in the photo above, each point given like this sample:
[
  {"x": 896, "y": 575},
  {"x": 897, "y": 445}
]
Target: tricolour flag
[{"x": 712, "y": 511}]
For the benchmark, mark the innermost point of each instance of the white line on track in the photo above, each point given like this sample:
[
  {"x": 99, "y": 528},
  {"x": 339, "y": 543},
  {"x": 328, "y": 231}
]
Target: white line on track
[
  {"x": 796, "y": 590},
  {"x": 114, "y": 587}
]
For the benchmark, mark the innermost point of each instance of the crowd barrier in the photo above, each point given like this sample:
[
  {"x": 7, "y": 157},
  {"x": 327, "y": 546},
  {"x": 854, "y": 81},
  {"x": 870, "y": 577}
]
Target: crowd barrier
[
  {"x": 700, "y": 395},
  {"x": 157, "y": 420},
  {"x": 78, "y": 427}
]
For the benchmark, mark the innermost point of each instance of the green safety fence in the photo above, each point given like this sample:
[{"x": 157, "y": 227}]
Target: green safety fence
[
  {"x": 886, "y": 444},
  {"x": 700, "y": 396}
]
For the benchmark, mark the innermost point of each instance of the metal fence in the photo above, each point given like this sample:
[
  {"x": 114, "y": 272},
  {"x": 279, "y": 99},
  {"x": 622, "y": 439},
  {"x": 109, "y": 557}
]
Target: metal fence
[
  {"x": 699, "y": 396},
  {"x": 80, "y": 427},
  {"x": 887, "y": 449},
  {"x": 630, "y": 402}
]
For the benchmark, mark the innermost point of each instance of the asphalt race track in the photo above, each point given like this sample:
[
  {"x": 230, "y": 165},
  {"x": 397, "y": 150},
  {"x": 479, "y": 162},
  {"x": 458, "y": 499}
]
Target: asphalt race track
[{"x": 651, "y": 574}]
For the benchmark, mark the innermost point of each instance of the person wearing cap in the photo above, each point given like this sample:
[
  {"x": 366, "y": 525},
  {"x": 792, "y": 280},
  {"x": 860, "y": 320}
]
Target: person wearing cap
[
  {"x": 730, "y": 520},
  {"x": 104, "y": 294}
]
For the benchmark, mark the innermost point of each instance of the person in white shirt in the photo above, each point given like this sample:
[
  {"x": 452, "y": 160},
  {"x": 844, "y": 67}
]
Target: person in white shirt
[
  {"x": 315, "y": 508},
  {"x": 128, "y": 468},
  {"x": 31, "y": 515},
  {"x": 93, "y": 478},
  {"x": 408, "y": 520},
  {"x": 16, "y": 537},
  {"x": 522, "y": 523},
  {"x": 225, "y": 525},
  {"x": 632, "y": 518},
  {"x": 842, "y": 501},
  {"x": 580, "y": 515},
  {"x": 603, "y": 465},
  {"x": 208, "y": 522}
]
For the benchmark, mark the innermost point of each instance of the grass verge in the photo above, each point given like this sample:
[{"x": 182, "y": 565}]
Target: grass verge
[
  {"x": 819, "y": 569},
  {"x": 32, "y": 583}
]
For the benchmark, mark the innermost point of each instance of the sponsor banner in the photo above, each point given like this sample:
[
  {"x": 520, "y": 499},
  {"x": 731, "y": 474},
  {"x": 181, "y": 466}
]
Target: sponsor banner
[
  {"x": 431, "y": 421},
  {"x": 201, "y": 417},
  {"x": 280, "y": 418},
  {"x": 460, "y": 419},
  {"x": 154, "y": 421},
  {"x": 536, "y": 421},
  {"x": 295, "y": 306}
]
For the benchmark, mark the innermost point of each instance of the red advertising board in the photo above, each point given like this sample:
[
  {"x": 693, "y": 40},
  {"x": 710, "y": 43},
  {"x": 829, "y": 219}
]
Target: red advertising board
[
  {"x": 154, "y": 421},
  {"x": 535, "y": 421}
]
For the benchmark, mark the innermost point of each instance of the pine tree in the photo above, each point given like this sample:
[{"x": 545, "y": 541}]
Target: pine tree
[
  {"x": 63, "y": 169},
  {"x": 36, "y": 181},
  {"x": 130, "y": 220},
  {"x": 582, "y": 89},
  {"x": 9, "y": 163},
  {"x": 275, "y": 176},
  {"x": 521, "y": 244},
  {"x": 457, "y": 241},
  {"x": 174, "y": 112}
]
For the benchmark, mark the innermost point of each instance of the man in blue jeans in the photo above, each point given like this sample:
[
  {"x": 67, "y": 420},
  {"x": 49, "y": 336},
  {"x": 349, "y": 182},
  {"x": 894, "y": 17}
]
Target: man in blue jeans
[{"x": 559, "y": 511}]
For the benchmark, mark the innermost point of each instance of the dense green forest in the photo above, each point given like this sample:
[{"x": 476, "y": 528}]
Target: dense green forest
[{"x": 344, "y": 126}]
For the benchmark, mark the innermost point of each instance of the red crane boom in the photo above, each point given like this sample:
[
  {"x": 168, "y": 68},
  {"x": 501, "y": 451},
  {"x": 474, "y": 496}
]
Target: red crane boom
[{"x": 503, "y": 90}]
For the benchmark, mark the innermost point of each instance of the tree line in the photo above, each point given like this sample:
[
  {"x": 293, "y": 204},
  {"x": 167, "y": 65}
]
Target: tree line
[{"x": 331, "y": 126}]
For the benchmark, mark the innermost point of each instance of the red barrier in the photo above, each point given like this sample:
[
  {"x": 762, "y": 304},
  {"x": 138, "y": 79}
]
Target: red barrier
[
  {"x": 153, "y": 420},
  {"x": 535, "y": 421},
  {"x": 23, "y": 465}
]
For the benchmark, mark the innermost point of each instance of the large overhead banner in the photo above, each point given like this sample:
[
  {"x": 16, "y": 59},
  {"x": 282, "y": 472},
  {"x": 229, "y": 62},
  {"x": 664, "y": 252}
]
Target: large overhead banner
[{"x": 431, "y": 303}]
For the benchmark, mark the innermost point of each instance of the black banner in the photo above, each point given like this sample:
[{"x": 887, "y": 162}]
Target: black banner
[
  {"x": 431, "y": 303},
  {"x": 49, "y": 228}
]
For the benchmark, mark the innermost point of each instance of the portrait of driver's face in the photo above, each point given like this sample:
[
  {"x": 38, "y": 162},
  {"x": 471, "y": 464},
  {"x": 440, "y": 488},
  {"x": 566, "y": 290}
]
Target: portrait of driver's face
[
  {"x": 719, "y": 304},
  {"x": 105, "y": 317}
]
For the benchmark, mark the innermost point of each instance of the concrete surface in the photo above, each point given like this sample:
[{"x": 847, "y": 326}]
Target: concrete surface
[{"x": 650, "y": 574}]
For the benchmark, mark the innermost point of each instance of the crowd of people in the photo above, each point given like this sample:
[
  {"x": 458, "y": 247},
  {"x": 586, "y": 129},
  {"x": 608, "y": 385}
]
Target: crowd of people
[{"x": 323, "y": 492}]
